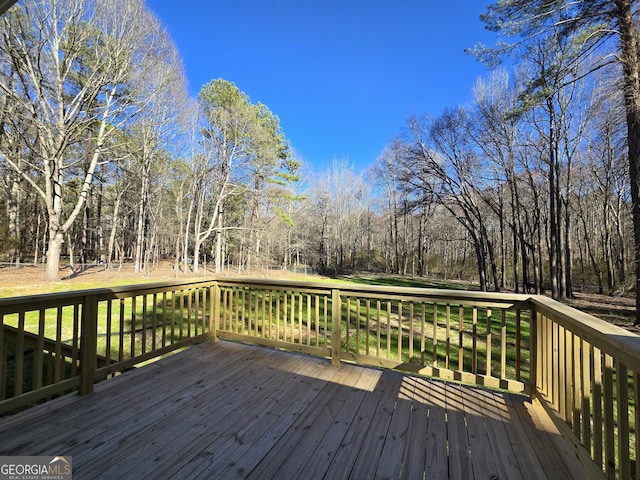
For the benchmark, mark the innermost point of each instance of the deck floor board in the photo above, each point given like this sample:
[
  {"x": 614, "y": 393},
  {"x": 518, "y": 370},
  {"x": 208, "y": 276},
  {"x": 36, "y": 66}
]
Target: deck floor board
[{"x": 228, "y": 410}]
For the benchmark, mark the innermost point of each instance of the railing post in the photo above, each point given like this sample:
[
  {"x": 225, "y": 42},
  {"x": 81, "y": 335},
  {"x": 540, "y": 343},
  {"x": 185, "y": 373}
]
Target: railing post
[
  {"x": 214, "y": 311},
  {"x": 88, "y": 344},
  {"x": 336, "y": 325},
  {"x": 534, "y": 358}
]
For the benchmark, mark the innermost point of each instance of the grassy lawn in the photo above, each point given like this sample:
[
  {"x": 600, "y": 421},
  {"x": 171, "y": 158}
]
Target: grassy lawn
[
  {"x": 399, "y": 281},
  {"x": 470, "y": 338},
  {"x": 56, "y": 287}
]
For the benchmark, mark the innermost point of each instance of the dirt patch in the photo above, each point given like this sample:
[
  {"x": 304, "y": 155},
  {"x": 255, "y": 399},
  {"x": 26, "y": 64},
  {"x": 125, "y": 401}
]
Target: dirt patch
[
  {"x": 29, "y": 279},
  {"x": 618, "y": 310}
]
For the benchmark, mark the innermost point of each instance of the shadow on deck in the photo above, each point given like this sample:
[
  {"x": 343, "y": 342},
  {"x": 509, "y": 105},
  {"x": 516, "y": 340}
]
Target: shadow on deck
[{"x": 227, "y": 410}]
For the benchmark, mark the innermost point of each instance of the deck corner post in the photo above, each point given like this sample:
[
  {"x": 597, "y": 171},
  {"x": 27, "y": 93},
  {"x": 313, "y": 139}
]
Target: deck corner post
[
  {"x": 214, "y": 310},
  {"x": 534, "y": 345},
  {"x": 336, "y": 324},
  {"x": 88, "y": 344}
]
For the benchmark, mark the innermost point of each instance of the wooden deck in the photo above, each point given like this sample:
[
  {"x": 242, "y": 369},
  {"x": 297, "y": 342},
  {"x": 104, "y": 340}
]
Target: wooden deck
[{"x": 229, "y": 410}]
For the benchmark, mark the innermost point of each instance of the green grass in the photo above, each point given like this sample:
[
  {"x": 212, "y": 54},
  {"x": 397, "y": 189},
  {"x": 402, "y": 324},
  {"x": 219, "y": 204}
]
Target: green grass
[
  {"x": 57, "y": 287},
  {"x": 446, "y": 352},
  {"x": 400, "y": 281},
  {"x": 275, "y": 319},
  {"x": 129, "y": 333}
]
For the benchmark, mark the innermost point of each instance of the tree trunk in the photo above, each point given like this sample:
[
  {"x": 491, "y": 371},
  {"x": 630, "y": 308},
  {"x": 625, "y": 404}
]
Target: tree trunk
[
  {"x": 503, "y": 247},
  {"x": 142, "y": 213},
  {"x": 481, "y": 259},
  {"x": 553, "y": 236},
  {"x": 197, "y": 245},
  {"x": 84, "y": 239},
  {"x": 187, "y": 229},
  {"x": 606, "y": 246},
  {"x": 54, "y": 249},
  {"x": 631, "y": 75},
  {"x": 37, "y": 240},
  {"x": 621, "y": 257},
  {"x": 516, "y": 228},
  {"x": 539, "y": 266},
  {"x": 494, "y": 268},
  {"x": 591, "y": 254},
  {"x": 219, "y": 243},
  {"x": 13, "y": 210},
  {"x": 99, "y": 229},
  {"x": 394, "y": 238},
  {"x": 555, "y": 209},
  {"x": 114, "y": 225},
  {"x": 568, "y": 263}
]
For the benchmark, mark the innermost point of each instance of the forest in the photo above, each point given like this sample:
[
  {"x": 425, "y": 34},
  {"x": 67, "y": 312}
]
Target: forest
[{"x": 105, "y": 158}]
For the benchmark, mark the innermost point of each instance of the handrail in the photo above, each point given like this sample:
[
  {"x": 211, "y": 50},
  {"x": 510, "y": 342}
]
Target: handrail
[
  {"x": 386, "y": 326},
  {"x": 588, "y": 379},
  {"x": 25, "y": 302},
  {"x": 584, "y": 371},
  {"x": 609, "y": 338},
  {"x": 85, "y": 336}
]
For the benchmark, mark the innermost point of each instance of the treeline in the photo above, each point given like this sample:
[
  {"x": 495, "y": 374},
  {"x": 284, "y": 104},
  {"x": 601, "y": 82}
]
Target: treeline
[
  {"x": 105, "y": 158},
  {"x": 541, "y": 196},
  {"x": 532, "y": 200}
]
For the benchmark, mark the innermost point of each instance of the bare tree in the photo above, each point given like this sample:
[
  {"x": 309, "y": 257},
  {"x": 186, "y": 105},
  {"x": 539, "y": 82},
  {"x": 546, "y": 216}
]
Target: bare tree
[
  {"x": 440, "y": 159},
  {"x": 155, "y": 129},
  {"x": 77, "y": 72},
  {"x": 339, "y": 202},
  {"x": 604, "y": 27},
  {"x": 495, "y": 133},
  {"x": 605, "y": 184}
]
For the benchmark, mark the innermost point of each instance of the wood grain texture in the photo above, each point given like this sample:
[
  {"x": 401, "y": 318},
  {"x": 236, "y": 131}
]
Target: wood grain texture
[{"x": 227, "y": 410}]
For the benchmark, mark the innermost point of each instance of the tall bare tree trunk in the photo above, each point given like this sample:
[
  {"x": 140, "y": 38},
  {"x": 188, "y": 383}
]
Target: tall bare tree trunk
[
  {"x": 219, "y": 243},
  {"x": 54, "y": 250},
  {"x": 114, "y": 227},
  {"x": 142, "y": 213},
  {"x": 629, "y": 39}
]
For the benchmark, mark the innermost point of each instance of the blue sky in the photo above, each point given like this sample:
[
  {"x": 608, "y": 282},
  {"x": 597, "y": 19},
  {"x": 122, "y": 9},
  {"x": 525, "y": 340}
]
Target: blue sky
[{"x": 342, "y": 75}]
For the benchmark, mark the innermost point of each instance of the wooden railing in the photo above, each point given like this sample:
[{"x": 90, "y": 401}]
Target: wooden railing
[
  {"x": 584, "y": 371},
  {"x": 56, "y": 343},
  {"x": 588, "y": 378},
  {"x": 447, "y": 334}
]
